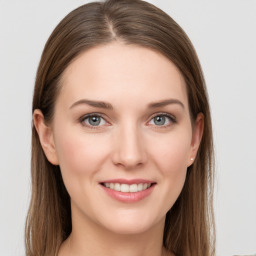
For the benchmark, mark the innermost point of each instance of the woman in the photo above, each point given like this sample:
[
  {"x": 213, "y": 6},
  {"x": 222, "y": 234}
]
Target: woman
[{"x": 122, "y": 141}]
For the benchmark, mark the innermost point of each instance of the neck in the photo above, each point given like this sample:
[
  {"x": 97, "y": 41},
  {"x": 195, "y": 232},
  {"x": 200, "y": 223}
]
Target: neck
[{"x": 88, "y": 238}]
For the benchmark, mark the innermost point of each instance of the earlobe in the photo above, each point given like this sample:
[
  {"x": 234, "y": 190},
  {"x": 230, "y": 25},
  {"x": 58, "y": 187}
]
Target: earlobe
[
  {"x": 45, "y": 135},
  {"x": 197, "y": 133}
]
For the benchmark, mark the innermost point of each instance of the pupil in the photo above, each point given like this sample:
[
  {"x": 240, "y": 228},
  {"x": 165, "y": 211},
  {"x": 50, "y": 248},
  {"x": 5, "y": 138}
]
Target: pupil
[
  {"x": 159, "y": 120},
  {"x": 94, "y": 120}
]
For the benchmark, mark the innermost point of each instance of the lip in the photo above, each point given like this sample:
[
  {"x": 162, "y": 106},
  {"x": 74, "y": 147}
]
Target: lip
[
  {"x": 128, "y": 197},
  {"x": 129, "y": 182}
]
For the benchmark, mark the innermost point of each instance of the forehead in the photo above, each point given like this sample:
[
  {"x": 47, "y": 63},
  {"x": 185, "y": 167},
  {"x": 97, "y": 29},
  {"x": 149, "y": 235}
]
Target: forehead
[{"x": 117, "y": 72}]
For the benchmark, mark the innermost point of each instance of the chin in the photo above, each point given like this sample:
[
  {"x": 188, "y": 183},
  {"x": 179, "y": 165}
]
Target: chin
[{"x": 132, "y": 223}]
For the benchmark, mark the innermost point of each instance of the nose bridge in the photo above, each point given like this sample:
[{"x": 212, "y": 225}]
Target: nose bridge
[{"x": 129, "y": 151}]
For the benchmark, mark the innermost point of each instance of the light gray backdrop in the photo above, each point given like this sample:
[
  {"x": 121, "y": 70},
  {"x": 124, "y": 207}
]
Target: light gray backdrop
[{"x": 224, "y": 35}]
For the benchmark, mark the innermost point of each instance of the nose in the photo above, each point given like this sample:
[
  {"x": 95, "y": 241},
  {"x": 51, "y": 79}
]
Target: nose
[{"x": 129, "y": 150}]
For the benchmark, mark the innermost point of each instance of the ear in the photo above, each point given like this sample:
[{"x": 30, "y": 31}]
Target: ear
[
  {"x": 197, "y": 133},
  {"x": 45, "y": 134}
]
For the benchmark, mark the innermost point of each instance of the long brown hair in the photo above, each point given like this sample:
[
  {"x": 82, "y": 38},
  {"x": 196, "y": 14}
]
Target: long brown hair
[{"x": 189, "y": 226}]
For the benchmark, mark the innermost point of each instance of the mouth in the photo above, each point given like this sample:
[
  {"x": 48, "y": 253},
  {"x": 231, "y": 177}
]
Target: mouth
[
  {"x": 128, "y": 188},
  {"x": 128, "y": 191}
]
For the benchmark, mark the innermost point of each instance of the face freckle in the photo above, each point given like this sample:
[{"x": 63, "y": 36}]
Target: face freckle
[{"x": 104, "y": 130}]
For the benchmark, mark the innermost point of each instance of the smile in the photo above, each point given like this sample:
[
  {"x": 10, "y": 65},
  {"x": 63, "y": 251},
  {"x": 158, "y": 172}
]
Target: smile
[
  {"x": 128, "y": 191},
  {"x": 132, "y": 188}
]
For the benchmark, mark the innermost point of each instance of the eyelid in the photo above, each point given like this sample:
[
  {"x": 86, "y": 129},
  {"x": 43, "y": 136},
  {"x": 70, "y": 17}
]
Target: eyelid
[
  {"x": 171, "y": 117},
  {"x": 82, "y": 119}
]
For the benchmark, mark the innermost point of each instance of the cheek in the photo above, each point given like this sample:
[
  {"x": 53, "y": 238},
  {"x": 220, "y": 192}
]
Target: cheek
[
  {"x": 79, "y": 153},
  {"x": 170, "y": 156},
  {"x": 172, "y": 166},
  {"x": 80, "y": 159},
  {"x": 171, "y": 153},
  {"x": 171, "y": 161}
]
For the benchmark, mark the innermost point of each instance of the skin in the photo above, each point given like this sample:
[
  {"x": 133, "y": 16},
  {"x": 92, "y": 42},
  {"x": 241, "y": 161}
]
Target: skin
[{"x": 128, "y": 143}]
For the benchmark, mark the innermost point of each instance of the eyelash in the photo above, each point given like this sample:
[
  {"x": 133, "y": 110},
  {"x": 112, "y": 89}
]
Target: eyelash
[
  {"x": 162, "y": 114},
  {"x": 82, "y": 120}
]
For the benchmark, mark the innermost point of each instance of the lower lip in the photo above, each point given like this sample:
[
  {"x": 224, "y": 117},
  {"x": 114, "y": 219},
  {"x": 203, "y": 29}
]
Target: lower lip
[{"x": 129, "y": 197}]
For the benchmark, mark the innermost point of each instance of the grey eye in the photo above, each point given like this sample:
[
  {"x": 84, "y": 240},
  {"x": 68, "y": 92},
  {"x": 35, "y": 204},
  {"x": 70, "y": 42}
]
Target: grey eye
[
  {"x": 162, "y": 120},
  {"x": 94, "y": 120},
  {"x": 159, "y": 120}
]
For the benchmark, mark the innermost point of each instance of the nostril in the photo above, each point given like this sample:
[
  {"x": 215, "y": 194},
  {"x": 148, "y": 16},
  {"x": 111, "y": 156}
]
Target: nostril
[
  {"x": 129, "y": 161},
  {"x": 129, "y": 151}
]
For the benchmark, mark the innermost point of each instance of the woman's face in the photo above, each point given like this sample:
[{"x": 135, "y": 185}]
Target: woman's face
[{"x": 122, "y": 122}]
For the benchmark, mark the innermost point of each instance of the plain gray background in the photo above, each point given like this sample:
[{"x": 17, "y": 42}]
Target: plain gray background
[{"x": 224, "y": 35}]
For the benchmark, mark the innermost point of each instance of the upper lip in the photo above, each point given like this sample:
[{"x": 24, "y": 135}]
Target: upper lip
[{"x": 129, "y": 182}]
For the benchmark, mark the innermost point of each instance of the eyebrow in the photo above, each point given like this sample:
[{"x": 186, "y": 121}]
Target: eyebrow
[
  {"x": 93, "y": 103},
  {"x": 165, "y": 103},
  {"x": 105, "y": 105}
]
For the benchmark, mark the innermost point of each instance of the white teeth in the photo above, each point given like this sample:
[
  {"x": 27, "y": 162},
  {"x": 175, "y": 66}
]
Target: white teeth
[
  {"x": 133, "y": 188},
  {"x": 140, "y": 187},
  {"x": 117, "y": 187},
  {"x": 126, "y": 187}
]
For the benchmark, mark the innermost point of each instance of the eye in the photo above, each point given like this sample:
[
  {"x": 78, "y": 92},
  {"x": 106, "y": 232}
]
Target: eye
[
  {"x": 93, "y": 120},
  {"x": 162, "y": 120}
]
